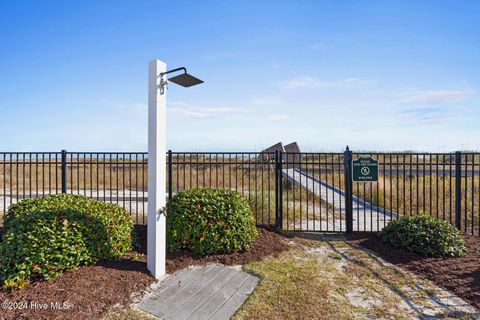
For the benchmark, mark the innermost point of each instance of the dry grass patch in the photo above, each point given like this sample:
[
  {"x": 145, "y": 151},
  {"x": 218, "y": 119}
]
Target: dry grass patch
[
  {"x": 129, "y": 314},
  {"x": 328, "y": 278},
  {"x": 292, "y": 287}
]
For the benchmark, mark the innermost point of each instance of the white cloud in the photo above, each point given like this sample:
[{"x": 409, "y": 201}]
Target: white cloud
[
  {"x": 227, "y": 110},
  {"x": 185, "y": 113},
  {"x": 435, "y": 114},
  {"x": 315, "y": 83},
  {"x": 266, "y": 101},
  {"x": 422, "y": 115},
  {"x": 188, "y": 110},
  {"x": 183, "y": 109},
  {"x": 277, "y": 117},
  {"x": 435, "y": 96}
]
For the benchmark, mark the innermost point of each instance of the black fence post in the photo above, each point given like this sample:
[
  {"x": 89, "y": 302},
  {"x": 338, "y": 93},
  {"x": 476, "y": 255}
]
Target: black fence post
[
  {"x": 277, "y": 207},
  {"x": 280, "y": 191},
  {"x": 170, "y": 174},
  {"x": 458, "y": 189},
  {"x": 64, "y": 171},
  {"x": 347, "y": 173}
]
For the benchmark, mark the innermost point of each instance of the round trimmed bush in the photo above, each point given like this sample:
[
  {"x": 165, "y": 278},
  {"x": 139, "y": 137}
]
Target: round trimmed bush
[
  {"x": 209, "y": 221},
  {"x": 424, "y": 234},
  {"x": 46, "y": 236}
]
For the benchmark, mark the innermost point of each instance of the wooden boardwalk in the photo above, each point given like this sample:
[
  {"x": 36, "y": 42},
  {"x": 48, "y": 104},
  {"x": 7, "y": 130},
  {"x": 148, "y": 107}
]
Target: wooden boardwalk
[
  {"x": 208, "y": 292},
  {"x": 366, "y": 216}
]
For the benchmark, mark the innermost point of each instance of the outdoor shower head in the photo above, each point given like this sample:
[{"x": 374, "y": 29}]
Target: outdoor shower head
[{"x": 185, "y": 79}]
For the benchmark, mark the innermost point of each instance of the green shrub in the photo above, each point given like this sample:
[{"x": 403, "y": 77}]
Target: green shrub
[
  {"x": 209, "y": 221},
  {"x": 424, "y": 234},
  {"x": 46, "y": 236}
]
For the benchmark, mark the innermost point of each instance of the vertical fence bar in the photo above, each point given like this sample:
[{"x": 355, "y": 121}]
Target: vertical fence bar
[
  {"x": 350, "y": 191},
  {"x": 170, "y": 173},
  {"x": 269, "y": 191},
  {"x": 465, "y": 196},
  {"x": 280, "y": 190},
  {"x": 277, "y": 205},
  {"x": 4, "y": 191},
  {"x": 347, "y": 167},
  {"x": 64, "y": 171},
  {"x": 458, "y": 189},
  {"x": 345, "y": 177},
  {"x": 473, "y": 194}
]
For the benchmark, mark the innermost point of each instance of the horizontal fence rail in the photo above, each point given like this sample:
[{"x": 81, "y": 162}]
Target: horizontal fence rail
[{"x": 292, "y": 191}]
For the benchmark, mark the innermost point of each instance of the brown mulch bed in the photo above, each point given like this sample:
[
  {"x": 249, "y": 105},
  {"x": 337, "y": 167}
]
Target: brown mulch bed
[
  {"x": 267, "y": 244},
  {"x": 458, "y": 275},
  {"x": 89, "y": 292}
]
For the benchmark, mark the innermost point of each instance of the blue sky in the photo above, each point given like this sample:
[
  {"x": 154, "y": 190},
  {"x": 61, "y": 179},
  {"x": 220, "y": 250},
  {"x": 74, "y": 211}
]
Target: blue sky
[{"x": 377, "y": 75}]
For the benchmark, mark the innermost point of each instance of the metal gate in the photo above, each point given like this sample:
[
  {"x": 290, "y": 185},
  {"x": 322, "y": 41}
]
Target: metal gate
[
  {"x": 316, "y": 191},
  {"x": 311, "y": 191}
]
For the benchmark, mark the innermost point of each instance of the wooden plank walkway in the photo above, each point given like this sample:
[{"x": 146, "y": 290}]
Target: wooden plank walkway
[
  {"x": 366, "y": 216},
  {"x": 208, "y": 292}
]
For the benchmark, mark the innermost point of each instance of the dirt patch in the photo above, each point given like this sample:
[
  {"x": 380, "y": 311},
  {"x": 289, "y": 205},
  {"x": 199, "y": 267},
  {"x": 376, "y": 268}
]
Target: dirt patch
[
  {"x": 89, "y": 292},
  {"x": 267, "y": 244},
  {"x": 460, "y": 276}
]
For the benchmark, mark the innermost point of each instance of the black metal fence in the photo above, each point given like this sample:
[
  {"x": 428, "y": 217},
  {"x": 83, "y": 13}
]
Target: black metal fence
[
  {"x": 112, "y": 177},
  {"x": 292, "y": 191}
]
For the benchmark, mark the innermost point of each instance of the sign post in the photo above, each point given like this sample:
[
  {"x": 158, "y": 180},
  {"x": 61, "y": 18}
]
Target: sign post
[
  {"x": 365, "y": 169},
  {"x": 156, "y": 221}
]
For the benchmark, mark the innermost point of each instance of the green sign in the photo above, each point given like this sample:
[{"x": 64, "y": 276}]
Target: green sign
[{"x": 365, "y": 169}]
